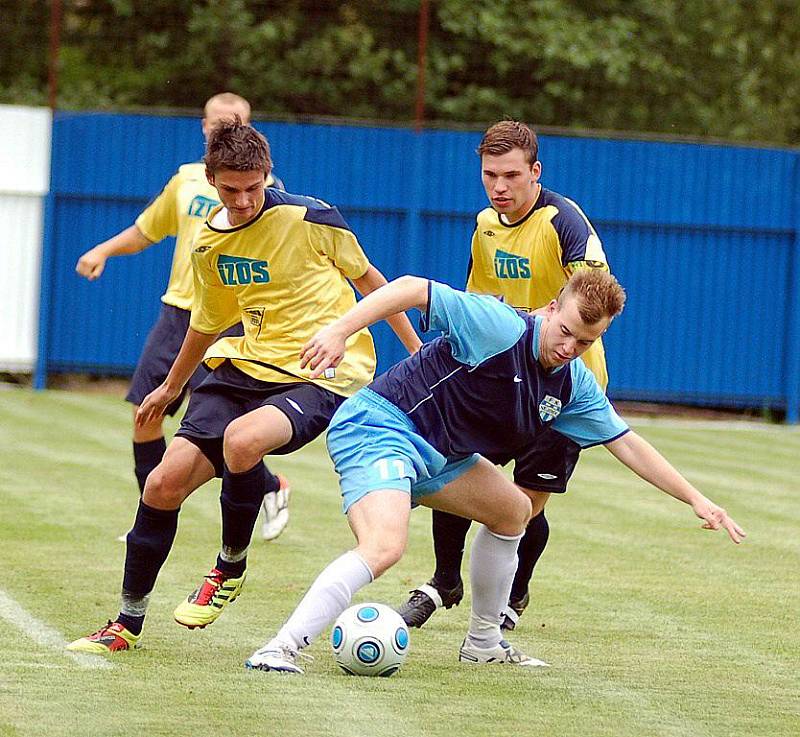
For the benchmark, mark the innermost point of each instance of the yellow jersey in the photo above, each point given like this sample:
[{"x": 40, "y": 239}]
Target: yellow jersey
[
  {"x": 284, "y": 274},
  {"x": 180, "y": 210},
  {"x": 528, "y": 262}
]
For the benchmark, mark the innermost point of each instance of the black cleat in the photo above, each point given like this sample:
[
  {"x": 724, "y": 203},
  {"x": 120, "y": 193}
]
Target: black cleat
[
  {"x": 514, "y": 611},
  {"x": 425, "y": 600}
]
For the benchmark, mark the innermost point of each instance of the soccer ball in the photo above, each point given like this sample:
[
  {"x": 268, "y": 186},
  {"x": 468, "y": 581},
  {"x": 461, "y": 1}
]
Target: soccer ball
[{"x": 370, "y": 640}]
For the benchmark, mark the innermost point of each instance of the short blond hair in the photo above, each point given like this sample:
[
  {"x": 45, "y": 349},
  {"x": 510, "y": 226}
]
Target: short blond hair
[
  {"x": 599, "y": 295},
  {"x": 230, "y": 99}
]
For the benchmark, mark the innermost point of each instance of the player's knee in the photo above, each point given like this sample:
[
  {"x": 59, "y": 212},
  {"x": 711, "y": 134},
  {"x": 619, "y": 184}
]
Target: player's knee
[
  {"x": 524, "y": 509},
  {"x": 382, "y": 552},
  {"x": 514, "y": 516},
  {"x": 162, "y": 489},
  {"x": 241, "y": 447}
]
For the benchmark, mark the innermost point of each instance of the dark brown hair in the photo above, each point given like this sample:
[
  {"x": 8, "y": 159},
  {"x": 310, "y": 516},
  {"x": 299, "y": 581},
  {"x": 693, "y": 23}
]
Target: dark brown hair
[
  {"x": 506, "y": 135},
  {"x": 237, "y": 146}
]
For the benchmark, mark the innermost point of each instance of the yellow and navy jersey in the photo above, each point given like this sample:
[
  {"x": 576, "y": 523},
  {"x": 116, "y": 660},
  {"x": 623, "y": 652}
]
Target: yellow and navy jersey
[
  {"x": 285, "y": 275},
  {"x": 527, "y": 263},
  {"x": 180, "y": 210}
]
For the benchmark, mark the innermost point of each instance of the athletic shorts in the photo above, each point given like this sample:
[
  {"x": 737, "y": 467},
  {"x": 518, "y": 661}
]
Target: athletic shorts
[
  {"x": 376, "y": 446},
  {"x": 548, "y": 464},
  {"x": 228, "y": 393},
  {"x": 159, "y": 352}
]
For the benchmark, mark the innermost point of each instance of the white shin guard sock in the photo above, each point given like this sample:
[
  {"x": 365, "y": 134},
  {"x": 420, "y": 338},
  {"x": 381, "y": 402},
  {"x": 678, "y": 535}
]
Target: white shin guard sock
[
  {"x": 327, "y": 598},
  {"x": 493, "y": 561}
]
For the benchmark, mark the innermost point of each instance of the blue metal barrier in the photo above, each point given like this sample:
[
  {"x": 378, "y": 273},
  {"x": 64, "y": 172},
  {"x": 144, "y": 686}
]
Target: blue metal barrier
[{"x": 705, "y": 238}]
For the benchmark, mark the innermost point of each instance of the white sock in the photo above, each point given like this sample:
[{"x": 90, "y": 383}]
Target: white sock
[
  {"x": 492, "y": 564},
  {"x": 327, "y": 598}
]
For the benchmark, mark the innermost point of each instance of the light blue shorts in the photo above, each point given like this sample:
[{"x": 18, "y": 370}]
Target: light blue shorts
[{"x": 376, "y": 446}]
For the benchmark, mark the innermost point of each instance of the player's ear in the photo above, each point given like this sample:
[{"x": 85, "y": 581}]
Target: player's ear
[{"x": 210, "y": 177}]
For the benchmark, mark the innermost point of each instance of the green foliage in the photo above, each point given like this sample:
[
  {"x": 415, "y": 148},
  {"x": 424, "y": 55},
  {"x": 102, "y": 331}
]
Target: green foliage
[{"x": 726, "y": 68}]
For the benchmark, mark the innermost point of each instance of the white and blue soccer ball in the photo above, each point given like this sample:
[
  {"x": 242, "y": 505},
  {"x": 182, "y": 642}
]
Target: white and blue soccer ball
[{"x": 370, "y": 640}]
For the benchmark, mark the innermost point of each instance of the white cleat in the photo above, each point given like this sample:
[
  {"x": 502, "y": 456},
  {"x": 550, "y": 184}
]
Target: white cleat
[
  {"x": 276, "y": 656},
  {"x": 503, "y": 652},
  {"x": 276, "y": 510}
]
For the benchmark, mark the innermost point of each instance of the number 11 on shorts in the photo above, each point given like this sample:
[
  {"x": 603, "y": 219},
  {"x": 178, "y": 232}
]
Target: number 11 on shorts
[{"x": 390, "y": 469}]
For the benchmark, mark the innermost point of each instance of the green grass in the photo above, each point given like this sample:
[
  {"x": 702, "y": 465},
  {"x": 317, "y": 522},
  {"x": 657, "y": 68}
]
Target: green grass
[{"x": 653, "y": 626}]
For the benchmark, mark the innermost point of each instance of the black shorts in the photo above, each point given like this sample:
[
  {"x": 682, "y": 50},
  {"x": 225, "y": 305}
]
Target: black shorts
[
  {"x": 159, "y": 352},
  {"x": 548, "y": 464},
  {"x": 228, "y": 393}
]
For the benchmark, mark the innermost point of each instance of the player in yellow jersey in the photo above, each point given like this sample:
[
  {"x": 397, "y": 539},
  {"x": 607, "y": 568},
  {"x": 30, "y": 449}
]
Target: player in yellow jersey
[
  {"x": 281, "y": 264},
  {"x": 179, "y": 210},
  {"x": 524, "y": 249}
]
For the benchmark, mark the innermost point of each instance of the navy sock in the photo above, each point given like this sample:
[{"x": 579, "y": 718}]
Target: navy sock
[
  {"x": 530, "y": 549},
  {"x": 240, "y": 501},
  {"x": 149, "y": 543},
  {"x": 146, "y": 456},
  {"x": 132, "y": 624},
  {"x": 449, "y": 534}
]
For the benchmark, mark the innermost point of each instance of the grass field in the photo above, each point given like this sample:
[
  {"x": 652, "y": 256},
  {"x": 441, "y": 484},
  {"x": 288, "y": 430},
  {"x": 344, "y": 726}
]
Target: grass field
[{"x": 653, "y": 626}]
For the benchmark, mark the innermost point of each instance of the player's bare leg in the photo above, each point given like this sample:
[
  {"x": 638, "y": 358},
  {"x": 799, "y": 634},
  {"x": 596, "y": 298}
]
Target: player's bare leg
[
  {"x": 487, "y": 496},
  {"x": 379, "y": 521},
  {"x": 183, "y": 469},
  {"x": 245, "y": 481}
]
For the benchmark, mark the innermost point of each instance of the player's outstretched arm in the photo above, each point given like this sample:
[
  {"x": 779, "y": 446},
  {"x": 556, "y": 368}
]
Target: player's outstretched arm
[
  {"x": 93, "y": 262},
  {"x": 186, "y": 362},
  {"x": 374, "y": 279},
  {"x": 327, "y": 347},
  {"x": 644, "y": 460}
]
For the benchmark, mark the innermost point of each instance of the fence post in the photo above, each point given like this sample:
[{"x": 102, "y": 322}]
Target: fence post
[
  {"x": 46, "y": 276},
  {"x": 792, "y": 340},
  {"x": 415, "y": 201}
]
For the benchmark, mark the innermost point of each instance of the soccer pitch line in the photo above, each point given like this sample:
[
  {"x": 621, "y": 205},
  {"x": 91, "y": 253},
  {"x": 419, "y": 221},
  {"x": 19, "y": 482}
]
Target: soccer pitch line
[{"x": 44, "y": 635}]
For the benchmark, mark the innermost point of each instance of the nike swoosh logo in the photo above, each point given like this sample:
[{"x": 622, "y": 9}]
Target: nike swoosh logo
[{"x": 517, "y": 380}]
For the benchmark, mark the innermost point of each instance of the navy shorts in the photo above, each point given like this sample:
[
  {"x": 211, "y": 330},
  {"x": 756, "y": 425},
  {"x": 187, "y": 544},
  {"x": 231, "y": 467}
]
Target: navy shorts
[
  {"x": 548, "y": 464},
  {"x": 159, "y": 352},
  {"x": 228, "y": 393}
]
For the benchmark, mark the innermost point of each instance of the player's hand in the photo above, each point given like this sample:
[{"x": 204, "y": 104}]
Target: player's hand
[
  {"x": 325, "y": 350},
  {"x": 91, "y": 264},
  {"x": 715, "y": 518},
  {"x": 155, "y": 404}
]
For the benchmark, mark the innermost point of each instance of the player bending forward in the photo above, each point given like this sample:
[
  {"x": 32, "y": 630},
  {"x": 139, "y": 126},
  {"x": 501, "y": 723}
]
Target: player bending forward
[{"x": 491, "y": 385}]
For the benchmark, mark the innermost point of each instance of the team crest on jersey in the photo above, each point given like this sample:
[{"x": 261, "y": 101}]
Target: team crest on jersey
[
  {"x": 236, "y": 271},
  {"x": 200, "y": 206},
  {"x": 549, "y": 408},
  {"x": 510, "y": 266}
]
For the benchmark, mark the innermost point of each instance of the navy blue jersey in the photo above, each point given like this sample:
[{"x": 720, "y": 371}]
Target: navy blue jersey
[{"x": 480, "y": 388}]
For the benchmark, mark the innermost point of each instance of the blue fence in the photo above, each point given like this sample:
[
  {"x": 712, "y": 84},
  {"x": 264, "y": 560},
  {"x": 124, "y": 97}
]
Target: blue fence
[{"x": 705, "y": 238}]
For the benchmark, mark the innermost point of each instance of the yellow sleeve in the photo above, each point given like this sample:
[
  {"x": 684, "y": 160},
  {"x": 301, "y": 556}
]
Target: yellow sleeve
[
  {"x": 474, "y": 256},
  {"x": 342, "y": 247},
  {"x": 215, "y": 306},
  {"x": 160, "y": 218}
]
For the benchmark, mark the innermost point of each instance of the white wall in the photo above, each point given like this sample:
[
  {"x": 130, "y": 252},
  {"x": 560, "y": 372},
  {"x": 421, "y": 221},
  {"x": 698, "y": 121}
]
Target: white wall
[{"x": 24, "y": 180}]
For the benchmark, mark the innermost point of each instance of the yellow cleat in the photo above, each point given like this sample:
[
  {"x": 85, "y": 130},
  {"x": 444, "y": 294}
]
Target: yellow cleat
[
  {"x": 206, "y": 603},
  {"x": 113, "y": 638}
]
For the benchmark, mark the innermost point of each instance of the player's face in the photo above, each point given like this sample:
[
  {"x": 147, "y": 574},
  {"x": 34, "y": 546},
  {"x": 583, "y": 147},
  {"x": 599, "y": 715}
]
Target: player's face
[
  {"x": 564, "y": 335},
  {"x": 217, "y": 111},
  {"x": 242, "y": 192},
  {"x": 511, "y": 183}
]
